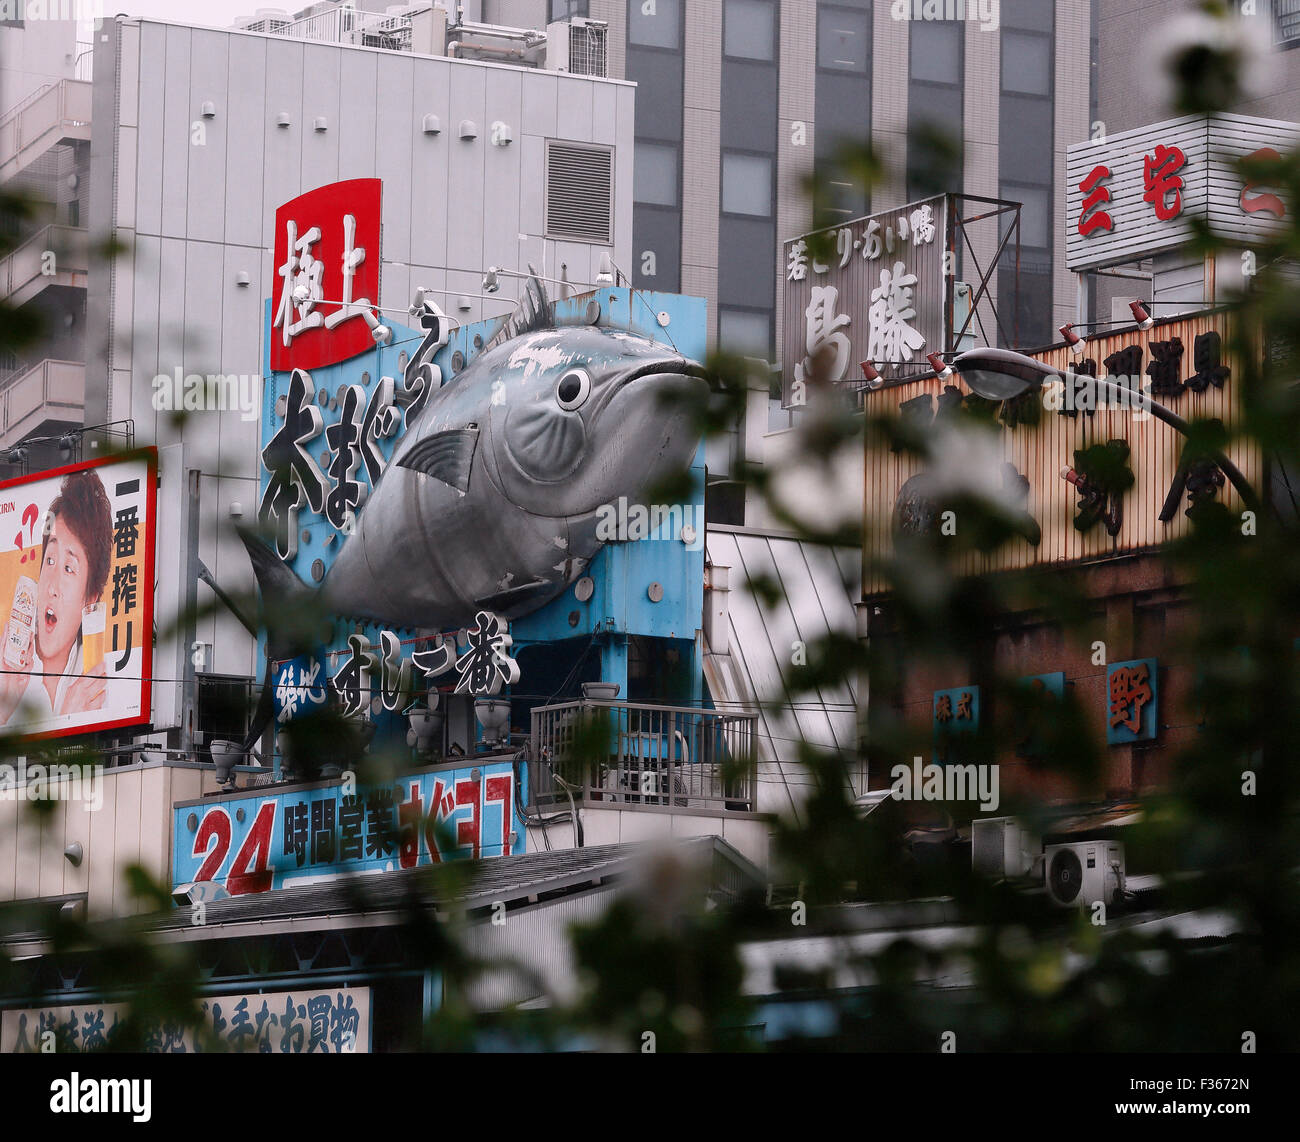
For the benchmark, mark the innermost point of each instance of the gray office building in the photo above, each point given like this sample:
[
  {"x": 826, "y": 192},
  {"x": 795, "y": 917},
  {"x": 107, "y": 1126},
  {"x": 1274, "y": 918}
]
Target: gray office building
[{"x": 739, "y": 100}]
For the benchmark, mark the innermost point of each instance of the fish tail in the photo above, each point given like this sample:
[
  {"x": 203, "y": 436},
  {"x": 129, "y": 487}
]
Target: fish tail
[{"x": 291, "y": 612}]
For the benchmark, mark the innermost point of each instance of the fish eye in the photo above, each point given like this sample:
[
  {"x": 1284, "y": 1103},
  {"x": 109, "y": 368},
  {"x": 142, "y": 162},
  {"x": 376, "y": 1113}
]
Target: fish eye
[{"x": 573, "y": 389}]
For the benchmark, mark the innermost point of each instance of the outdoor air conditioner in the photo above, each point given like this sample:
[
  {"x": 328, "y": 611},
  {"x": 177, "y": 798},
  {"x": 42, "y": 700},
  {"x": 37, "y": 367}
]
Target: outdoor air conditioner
[
  {"x": 1080, "y": 873},
  {"x": 578, "y": 46},
  {"x": 1003, "y": 849}
]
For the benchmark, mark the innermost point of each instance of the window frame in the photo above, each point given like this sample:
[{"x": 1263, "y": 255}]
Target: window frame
[
  {"x": 681, "y": 28},
  {"x": 1003, "y": 89},
  {"x": 753, "y": 311},
  {"x": 774, "y": 59},
  {"x": 866, "y": 12},
  {"x": 676, "y": 148},
  {"x": 914, "y": 80},
  {"x": 741, "y": 152}
]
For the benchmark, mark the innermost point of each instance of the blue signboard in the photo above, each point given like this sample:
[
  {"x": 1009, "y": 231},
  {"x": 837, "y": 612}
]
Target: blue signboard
[
  {"x": 328, "y": 435},
  {"x": 955, "y": 714},
  {"x": 1132, "y": 700},
  {"x": 264, "y": 839}
]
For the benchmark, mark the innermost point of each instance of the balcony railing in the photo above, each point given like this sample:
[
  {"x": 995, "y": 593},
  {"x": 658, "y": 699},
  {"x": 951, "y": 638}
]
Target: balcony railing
[
  {"x": 664, "y": 757},
  {"x": 56, "y": 112},
  {"x": 54, "y": 255},
  {"x": 50, "y": 390}
]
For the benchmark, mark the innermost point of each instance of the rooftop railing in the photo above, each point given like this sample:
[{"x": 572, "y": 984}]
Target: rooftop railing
[
  {"x": 56, "y": 112},
  {"x": 658, "y": 757}
]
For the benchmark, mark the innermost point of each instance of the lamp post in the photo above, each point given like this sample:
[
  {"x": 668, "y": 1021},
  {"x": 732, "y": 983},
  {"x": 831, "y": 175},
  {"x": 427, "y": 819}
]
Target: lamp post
[{"x": 1001, "y": 374}]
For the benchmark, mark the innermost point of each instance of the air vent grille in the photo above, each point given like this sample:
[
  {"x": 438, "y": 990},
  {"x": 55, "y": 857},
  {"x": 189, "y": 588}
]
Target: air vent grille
[{"x": 579, "y": 192}]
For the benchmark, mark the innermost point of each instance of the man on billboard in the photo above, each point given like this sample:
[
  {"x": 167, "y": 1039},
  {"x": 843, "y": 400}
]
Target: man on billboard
[{"x": 47, "y": 659}]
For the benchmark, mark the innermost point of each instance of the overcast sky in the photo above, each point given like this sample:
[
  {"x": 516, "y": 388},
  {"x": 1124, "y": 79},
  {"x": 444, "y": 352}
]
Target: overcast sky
[{"x": 215, "y": 13}]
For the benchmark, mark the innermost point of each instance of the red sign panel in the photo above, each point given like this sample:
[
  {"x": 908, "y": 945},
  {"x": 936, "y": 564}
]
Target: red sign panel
[{"x": 327, "y": 275}]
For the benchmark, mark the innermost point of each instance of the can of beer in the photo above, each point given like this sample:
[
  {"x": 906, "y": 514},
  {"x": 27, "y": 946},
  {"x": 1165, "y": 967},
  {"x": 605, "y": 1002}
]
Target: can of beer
[
  {"x": 92, "y": 636},
  {"x": 22, "y": 623}
]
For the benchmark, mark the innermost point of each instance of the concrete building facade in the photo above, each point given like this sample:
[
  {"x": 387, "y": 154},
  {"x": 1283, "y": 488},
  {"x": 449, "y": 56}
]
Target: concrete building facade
[{"x": 201, "y": 133}]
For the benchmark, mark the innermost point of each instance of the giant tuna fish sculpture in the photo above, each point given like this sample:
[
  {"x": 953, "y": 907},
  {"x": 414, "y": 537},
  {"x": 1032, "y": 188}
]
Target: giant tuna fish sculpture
[{"x": 490, "y": 500}]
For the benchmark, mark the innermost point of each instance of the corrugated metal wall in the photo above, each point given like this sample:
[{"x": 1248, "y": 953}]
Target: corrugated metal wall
[{"x": 1040, "y": 452}]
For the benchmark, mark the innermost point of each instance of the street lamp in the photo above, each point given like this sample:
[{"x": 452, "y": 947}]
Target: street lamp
[{"x": 1001, "y": 374}]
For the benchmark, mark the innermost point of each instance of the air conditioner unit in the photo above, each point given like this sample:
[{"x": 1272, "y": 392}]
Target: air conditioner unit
[
  {"x": 1080, "y": 873},
  {"x": 1003, "y": 849},
  {"x": 578, "y": 46}
]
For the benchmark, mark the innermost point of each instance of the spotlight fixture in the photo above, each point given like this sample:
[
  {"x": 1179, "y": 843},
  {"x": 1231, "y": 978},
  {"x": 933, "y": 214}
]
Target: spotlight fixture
[
  {"x": 1141, "y": 315},
  {"x": 869, "y": 372},
  {"x": 490, "y": 281},
  {"x": 942, "y": 371},
  {"x": 1072, "y": 339}
]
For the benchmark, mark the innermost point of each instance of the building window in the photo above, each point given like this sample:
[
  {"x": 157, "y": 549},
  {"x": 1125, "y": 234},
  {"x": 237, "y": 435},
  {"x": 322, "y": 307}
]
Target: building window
[
  {"x": 1035, "y": 214},
  {"x": 843, "y": 39},
  {"x": 568, "y": 9},
  {"x": 654, "y": 177},
  {"x": 745, "y": 332},
  {"x": 660, "y": 28},
  {"x": 935, "y": 51},
  {"x": 747, "y": 185},
  {"x": 935, "y": 108},
  {"x": 1026, "y": 63},
  {"x": 749, "y": 29}
]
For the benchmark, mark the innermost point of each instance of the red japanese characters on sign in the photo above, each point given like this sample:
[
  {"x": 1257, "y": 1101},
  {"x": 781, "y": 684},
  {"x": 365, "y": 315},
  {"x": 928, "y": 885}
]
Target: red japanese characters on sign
[
  {"x": 326, "y": 275},
  {"x": 1160, "y": 181},
  {"x": 1137, "y": 193},
  {"x": 1254, "y": 203},
  {"x": 1090, "y": 218},
  {"x": 1130, "y": 690}
]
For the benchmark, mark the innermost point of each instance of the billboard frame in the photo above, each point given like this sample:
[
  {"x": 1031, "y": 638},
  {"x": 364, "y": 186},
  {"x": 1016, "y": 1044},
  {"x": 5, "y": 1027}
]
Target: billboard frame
[{"x": 145, "y": 717}]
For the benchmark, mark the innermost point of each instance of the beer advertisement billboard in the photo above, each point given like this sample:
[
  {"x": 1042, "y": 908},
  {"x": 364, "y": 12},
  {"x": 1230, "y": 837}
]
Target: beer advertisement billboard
[{"x": 76, "y": 597}]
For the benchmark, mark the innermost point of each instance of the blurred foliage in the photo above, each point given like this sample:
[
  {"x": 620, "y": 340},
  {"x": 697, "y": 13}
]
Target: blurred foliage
[{"x": 666, "y": 958}]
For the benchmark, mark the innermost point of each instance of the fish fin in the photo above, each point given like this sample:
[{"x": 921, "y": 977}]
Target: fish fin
[
  {"x": 291, "y": 622},
  {"x": 516, "y": 596},
  {"x": 533, "y": 312},
  {"x": 445, "y": 456}
]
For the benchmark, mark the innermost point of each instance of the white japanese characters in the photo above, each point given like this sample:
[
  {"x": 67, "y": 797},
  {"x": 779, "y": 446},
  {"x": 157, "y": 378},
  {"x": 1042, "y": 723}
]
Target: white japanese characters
[
  {"x": 891, "y": 338},
  {"x": 301, "y": 289},
  {"x": 894, "y": 329}
]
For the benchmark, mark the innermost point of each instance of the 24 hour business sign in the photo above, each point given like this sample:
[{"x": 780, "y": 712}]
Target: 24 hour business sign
[
  {"x": 76, "y": 597},
  {"x": 264, "y": 840}
]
